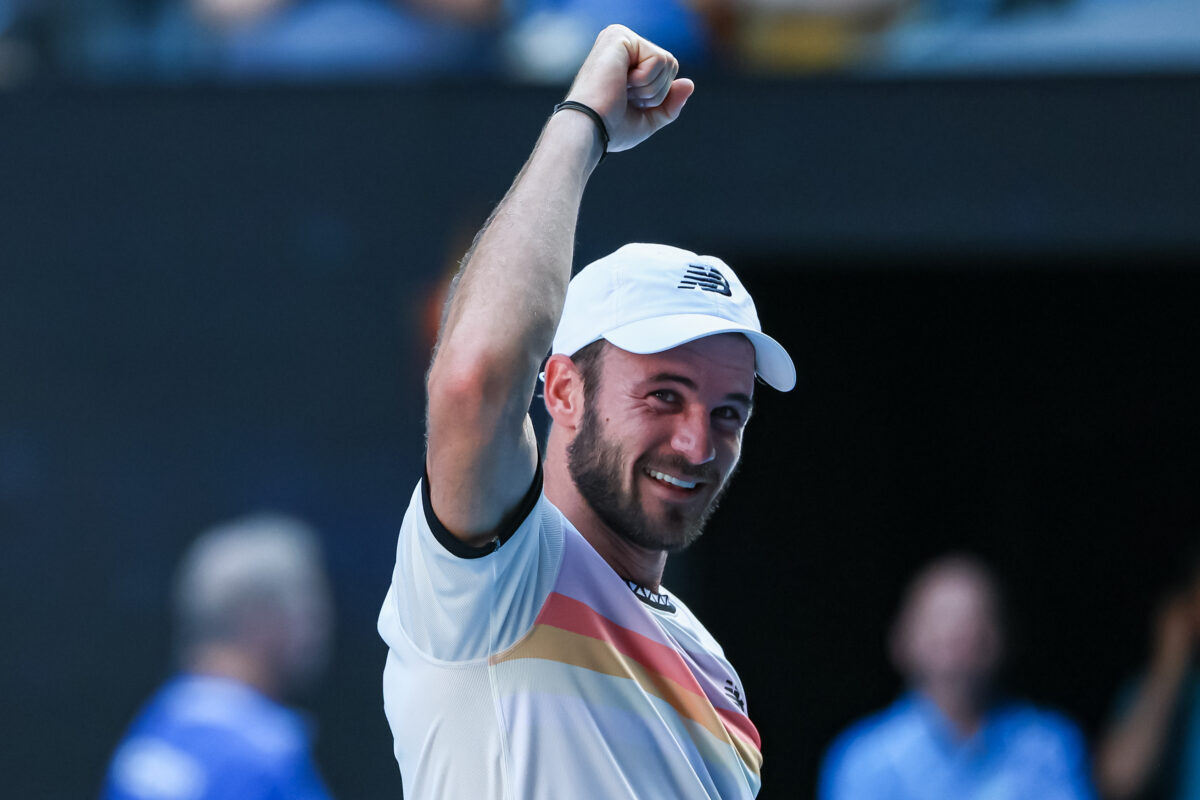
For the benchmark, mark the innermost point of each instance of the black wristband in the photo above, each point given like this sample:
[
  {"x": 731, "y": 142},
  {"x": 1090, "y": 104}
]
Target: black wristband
[{"x": 575, "y": 105}]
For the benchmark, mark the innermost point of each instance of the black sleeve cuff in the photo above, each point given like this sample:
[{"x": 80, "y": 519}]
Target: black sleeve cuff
[{"x": 508, "y": 526}]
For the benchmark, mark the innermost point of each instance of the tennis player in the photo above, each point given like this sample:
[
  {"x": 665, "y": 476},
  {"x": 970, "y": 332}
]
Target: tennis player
[{"x": 533, "y": 652}]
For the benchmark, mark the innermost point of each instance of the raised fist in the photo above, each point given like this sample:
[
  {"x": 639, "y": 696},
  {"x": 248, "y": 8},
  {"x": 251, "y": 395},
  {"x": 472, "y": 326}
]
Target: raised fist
[{"x": 631, "y": 83}]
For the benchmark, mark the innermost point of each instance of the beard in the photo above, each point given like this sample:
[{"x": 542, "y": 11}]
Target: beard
[{"x": 595, "y": 461}]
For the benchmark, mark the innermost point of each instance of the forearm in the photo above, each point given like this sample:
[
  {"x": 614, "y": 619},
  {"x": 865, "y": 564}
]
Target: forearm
[
  {"x": 1132, "y": 749},
  {"x": 499, "y": 324},
  {"x": 503, "y": 312}
]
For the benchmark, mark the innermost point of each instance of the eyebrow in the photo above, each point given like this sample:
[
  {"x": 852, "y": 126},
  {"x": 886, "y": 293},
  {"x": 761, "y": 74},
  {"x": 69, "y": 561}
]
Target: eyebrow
[{"x": 670, "y": 377}]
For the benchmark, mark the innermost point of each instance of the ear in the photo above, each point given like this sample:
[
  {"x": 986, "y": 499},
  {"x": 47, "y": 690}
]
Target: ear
[{"x": 563, "y": 391}]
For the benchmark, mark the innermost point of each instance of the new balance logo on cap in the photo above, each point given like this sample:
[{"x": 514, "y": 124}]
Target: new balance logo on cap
[{"x": 709, "y": 279}]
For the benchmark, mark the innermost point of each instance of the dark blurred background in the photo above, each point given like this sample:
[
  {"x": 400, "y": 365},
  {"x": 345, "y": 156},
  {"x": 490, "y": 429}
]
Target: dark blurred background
[{"x": 976, "y": 228}]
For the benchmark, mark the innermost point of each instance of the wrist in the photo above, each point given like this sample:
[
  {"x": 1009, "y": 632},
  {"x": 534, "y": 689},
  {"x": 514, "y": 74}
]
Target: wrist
[
  {"x": 577, "y": 133},
  {"x": 593, "y": 115}
]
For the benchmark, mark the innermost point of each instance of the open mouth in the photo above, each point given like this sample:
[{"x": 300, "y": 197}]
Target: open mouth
[{"x": 672, "y": 480}]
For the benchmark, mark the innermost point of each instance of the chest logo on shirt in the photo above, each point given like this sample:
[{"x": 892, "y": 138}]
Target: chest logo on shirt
[{"x": 735, "y": 694}]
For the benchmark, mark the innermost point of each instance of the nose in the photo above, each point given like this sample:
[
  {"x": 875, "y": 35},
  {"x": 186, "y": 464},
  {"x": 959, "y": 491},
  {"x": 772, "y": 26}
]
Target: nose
[{"x": 692, "y": 437}]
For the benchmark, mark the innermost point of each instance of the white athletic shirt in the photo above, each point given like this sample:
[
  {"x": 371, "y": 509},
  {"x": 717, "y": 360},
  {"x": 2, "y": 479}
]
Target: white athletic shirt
[{"x": 529, "y": 670}]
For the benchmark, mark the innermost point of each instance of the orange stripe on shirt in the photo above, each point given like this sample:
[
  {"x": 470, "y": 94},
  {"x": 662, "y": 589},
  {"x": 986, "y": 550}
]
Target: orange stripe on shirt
[
  {"x": 602, "y": 646},
  {"x": 570, "y": 614}
]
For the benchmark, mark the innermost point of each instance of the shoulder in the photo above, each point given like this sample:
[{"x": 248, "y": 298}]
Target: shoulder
[
  {"x": 453, "y": 602},
  {"x": 210, "y": 737},
  {"x": 682, "y": 616},
  {"x": 863, "y": 759},
  {"x": 868, "y": 744},
  {"x": 1039, "y": 732},
  {"x": 226, "y": 712},
  {"x": 423, "y": 529}
]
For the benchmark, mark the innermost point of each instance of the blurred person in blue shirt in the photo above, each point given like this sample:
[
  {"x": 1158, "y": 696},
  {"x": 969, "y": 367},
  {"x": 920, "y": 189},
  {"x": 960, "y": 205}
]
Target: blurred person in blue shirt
[
  {"x": 305, "y": 40},
  {"x": 1152, "y": 745},
  {"x": 952, "y": 737},
  {"x": 253, "y": 620}
]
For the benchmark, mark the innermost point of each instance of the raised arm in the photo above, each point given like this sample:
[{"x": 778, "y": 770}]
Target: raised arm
[
  {"x": 500, "y": 320},
  {"x": 1131, "y": 750}
]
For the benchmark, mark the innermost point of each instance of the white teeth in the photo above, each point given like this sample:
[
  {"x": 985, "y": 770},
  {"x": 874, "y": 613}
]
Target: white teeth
[{"x": 671, "y": 479}]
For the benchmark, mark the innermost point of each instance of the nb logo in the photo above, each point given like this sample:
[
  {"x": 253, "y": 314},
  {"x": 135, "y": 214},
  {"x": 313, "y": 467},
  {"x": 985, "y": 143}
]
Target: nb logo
[
  {"x": 735, "y": 695},
  {"x": 706, "y": 278}
]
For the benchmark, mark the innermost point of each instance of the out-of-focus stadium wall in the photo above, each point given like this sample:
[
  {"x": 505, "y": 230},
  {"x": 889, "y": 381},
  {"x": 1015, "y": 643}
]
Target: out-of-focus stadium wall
[{"x": 213, "y": 301}]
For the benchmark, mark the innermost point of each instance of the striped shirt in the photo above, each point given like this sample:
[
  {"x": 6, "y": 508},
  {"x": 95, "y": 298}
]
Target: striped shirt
[{"x": 530, "y": 669}]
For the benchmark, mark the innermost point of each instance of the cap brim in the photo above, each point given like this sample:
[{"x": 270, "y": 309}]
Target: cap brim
[{"x": 771, "y": 361}]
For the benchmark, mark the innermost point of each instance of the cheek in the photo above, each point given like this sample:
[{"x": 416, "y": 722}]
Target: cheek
[
  {"x": 729, "y": 452},
  {"x": 627, "y": 442},
  {"x": 646, "y": 434}
]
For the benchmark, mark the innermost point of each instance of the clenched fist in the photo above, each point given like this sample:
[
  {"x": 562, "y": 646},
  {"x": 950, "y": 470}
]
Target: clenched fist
[{"x": 631, "y": 83}]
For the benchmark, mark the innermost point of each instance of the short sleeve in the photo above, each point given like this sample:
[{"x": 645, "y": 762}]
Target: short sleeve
[{"x": 453, "y": 602}]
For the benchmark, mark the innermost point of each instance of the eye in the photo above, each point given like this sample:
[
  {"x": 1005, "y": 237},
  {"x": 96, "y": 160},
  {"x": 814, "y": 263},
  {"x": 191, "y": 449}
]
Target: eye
[
  {"x": 666, "y": 396},
  {"x": 727, "y": 414}
]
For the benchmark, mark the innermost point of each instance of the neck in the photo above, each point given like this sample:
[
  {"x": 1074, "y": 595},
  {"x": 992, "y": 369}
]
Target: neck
[
  {"x": 964, "y": 710},
  {"x": 643, "y": 567},
  {"x": 230, "y": 662}
]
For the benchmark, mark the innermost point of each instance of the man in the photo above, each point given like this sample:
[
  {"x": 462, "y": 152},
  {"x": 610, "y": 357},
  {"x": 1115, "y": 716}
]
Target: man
[
  {"x": 533, "y": 652},
  {"x": 253, "y": 618},
  {"x": 950, "y": 737},
  {"x": 1152, "y": 745}
]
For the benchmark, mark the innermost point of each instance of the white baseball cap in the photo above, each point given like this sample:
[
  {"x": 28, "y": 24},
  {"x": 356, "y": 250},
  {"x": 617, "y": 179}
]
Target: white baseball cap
[{"x": 647, "y": 298}]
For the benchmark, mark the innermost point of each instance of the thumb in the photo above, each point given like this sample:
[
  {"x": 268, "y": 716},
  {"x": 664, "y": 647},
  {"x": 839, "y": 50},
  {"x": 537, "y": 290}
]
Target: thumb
[{"x": 672, "y": 104}]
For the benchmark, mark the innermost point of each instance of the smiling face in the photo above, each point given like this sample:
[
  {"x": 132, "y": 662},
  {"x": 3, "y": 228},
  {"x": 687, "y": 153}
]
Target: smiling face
[{"x": 660, "y": 436}]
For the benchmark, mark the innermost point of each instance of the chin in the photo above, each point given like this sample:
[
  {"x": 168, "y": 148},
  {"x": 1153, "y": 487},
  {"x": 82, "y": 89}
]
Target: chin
[{"x": 671, "y": 535}]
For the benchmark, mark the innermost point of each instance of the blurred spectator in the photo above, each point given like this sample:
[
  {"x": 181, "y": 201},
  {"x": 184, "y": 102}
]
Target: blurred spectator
[
  {"x": 1152, "y": 746},
  {"x": 284, "y": 40},
  {"x": 807, "y": 35},
  {"x": 17, "y": 53},
  {"x": 253, "y": 617},
  {"x": 343, "y": 38},
  {"x": 547, "y": 40},
  {"x": 1051, "y": 35},
  {"x": 951, "y": 737}
]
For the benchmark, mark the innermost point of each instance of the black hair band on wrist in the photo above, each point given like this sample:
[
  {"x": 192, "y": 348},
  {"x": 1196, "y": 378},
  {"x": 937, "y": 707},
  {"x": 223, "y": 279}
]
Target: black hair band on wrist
[{"x": 575, "y": 105}]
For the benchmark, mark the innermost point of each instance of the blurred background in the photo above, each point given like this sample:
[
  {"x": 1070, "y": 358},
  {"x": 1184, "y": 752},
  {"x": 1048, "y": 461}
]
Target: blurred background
[{"x": 226, "y": 228}]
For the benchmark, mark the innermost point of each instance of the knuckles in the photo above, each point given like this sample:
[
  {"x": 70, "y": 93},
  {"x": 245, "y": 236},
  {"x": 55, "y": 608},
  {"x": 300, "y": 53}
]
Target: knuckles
[
  {"x": 617, "y": 30},
  {"x": 649, "y": 73}
]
